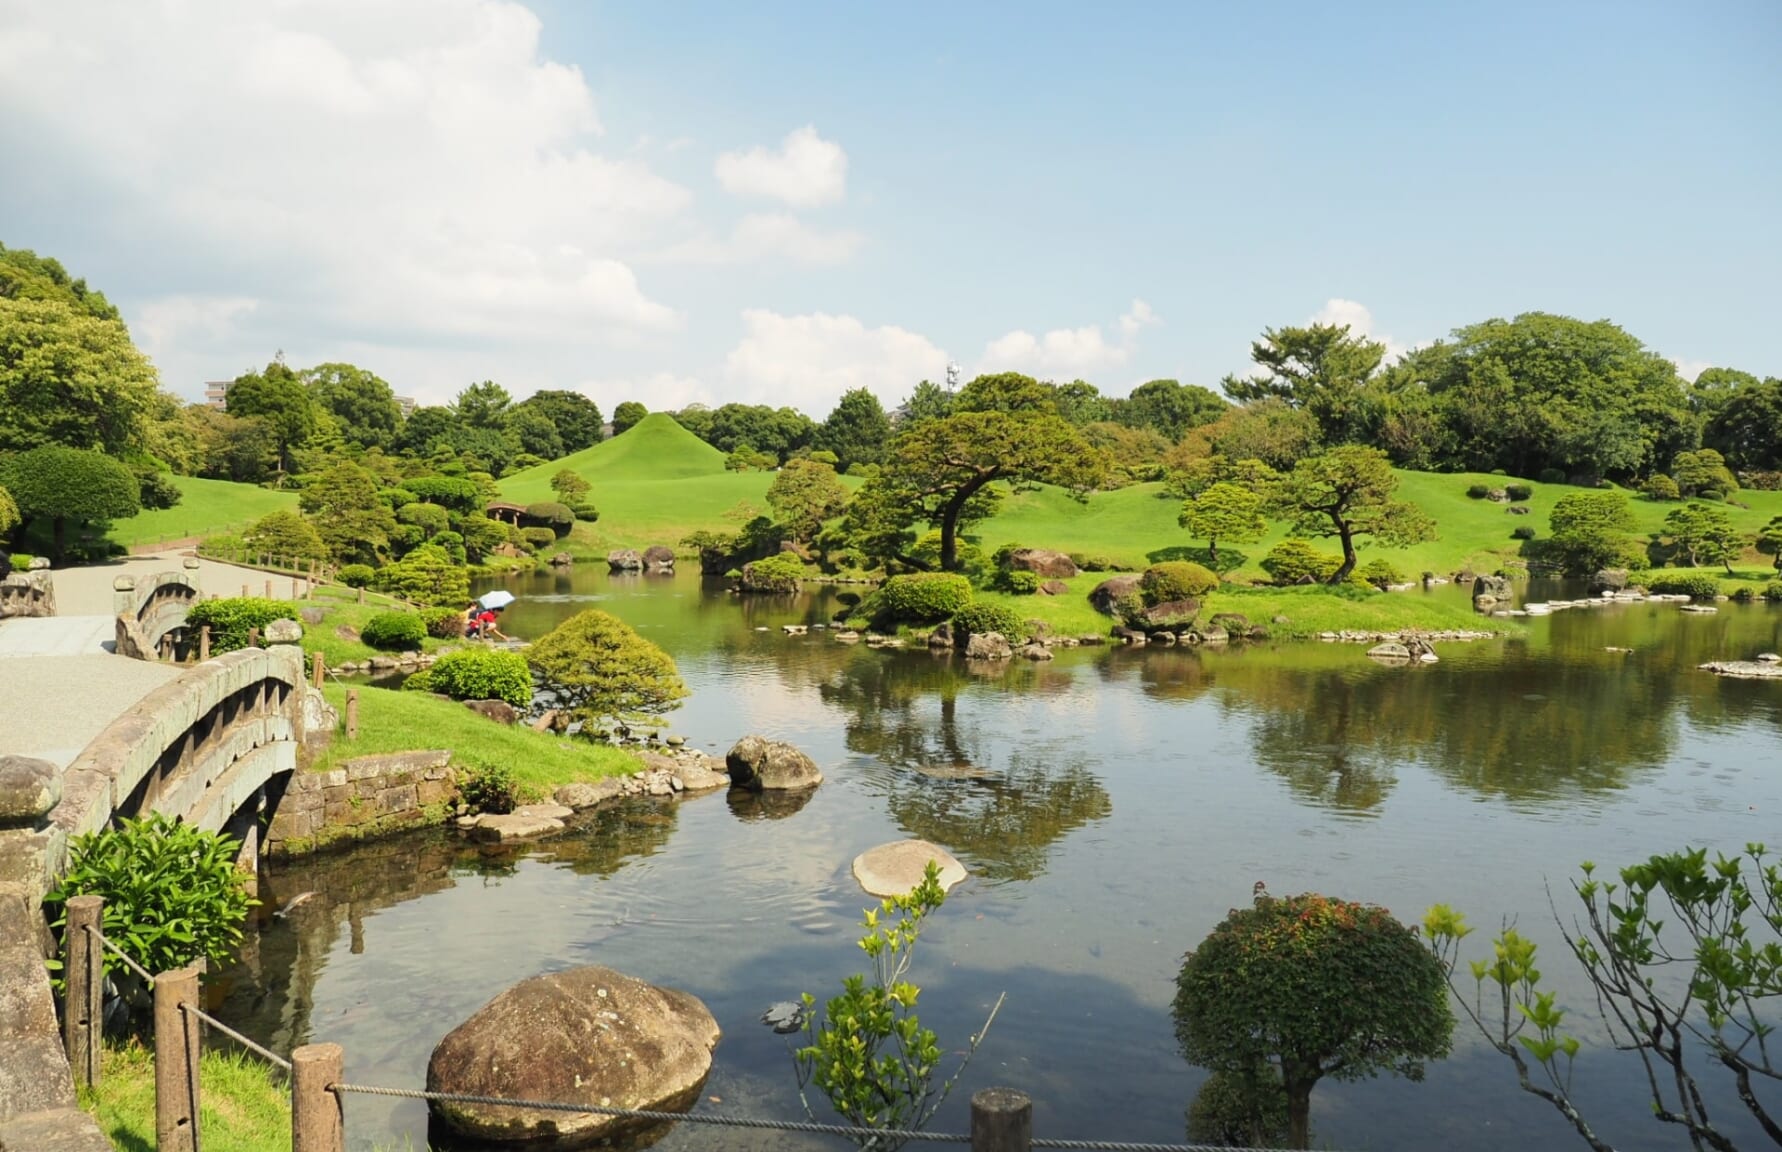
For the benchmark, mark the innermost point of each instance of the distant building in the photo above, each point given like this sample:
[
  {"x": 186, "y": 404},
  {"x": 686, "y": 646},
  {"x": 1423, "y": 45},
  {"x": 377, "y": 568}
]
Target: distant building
[
  {"x": 407, "y": 404},
  {"x": 216, "y": 393}
]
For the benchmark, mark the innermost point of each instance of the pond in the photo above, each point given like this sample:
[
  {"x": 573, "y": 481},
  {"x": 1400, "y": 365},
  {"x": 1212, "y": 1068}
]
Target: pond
[{"x": 1111, "y": 806}]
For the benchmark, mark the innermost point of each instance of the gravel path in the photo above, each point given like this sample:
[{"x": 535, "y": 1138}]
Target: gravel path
[{"x": 57, "y": 704}]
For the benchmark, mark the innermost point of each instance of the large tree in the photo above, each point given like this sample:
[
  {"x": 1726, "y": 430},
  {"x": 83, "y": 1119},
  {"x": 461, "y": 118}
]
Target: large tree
[
  {"x": 857, "y": 430},
  {"x": 1593, "y": 530},
  {"x": 530, "y": 430},
  {"x": 1747, "y": 426},
  {"x": 482, "y": 405},
  {"x": 427, "y": 428},
  {"x": 778, "y": 432},
  {"x": 1705, "y": 535},
  {"x": 577, "y": 418},
  {"x": 600, "y": 669},
  {"x": 24, "y": 275},
  {"x": 69, "y": 377},
  {"x": 1347, "y": 492},
  {"x": 1170, "y": 409},
  {"x": 348, "y": 508},
  {"x": 1303, "y": 987},
  {"x": 1322, "y": 368},
  {"x": 626, "y": 415},
  {"x": 361, "y": 402},
  {"x": 61, "y": 484},
  {"x": 278, "y": 397},
  {"x": 803, "y": 494},
  {"x": 929, "y": 401},
  {"x": 939, "y": 469}
]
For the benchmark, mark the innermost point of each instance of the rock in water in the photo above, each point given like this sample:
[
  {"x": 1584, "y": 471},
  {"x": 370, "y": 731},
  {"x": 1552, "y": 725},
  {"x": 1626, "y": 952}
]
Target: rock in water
[
  {"x": 757, "y": 763},
  {"x": 988, "y": 646},
  {"x": 784, "y": 1017},
  {"x": 658, "y": 558},
  {"x": 896, "y": 868},
  {"x": 624, "y": 560},
  {"x": 585, "y": 1035}
]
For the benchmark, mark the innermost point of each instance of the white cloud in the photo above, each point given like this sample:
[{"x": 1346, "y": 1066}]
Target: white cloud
[
  {"x": 805, "y": 171},
  {"x": 768, "y": 236},
  {"x": 1068, "y": 353},
  {"x": 1361, "y": 323},
  {"x": 657, "y": 391},
  {"x": 168, "y": 322},
  {"x": 808, "y": 361},
  {"x": 413, "y": 168},
  {"x": 1690, "y": 369}
]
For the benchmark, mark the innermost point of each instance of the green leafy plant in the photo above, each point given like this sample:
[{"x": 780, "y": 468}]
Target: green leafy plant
[
  {"x": 172, "y": 892},
  {"x": 1695, "y": 585},
  {"x": 550, "y": 514},
  {"x": 1518, "y": 492},
  {"x": 394, "y": 631},
  {"x": 490, "y": 788},
  {"x": 1552, "y": 476},
  {"x": 780, "y": 572},
  {"x": 443, "y": 623},
  {"x": 1522, "y": 532},
  {"x": 230, "y": 620},
  {"x": 869, "y": 1054},
  {"x": 1380, "y": 573},
  {"x": 1478, "y": 491},
  {"x": 1660, "y": 487},
  {"x": 427, "y": 576},
  {"x": 479, "y": 674},
  {"x": 1685, "y": 957},
  {"x": 1295, "y": 561},
  {"x": 586, "y": 513},
  {"x": 977, "y": 619},
  {"x": 600, "y": 668},
  {"x": 537, "y": 538},
  {"x": 356, "y": 575},
  {"x": 1018, "y": 582},
  {"x": 924, "y": 596},
  {"x": 1773, "y": 591},
  {"x": 1176, "y": 580}
]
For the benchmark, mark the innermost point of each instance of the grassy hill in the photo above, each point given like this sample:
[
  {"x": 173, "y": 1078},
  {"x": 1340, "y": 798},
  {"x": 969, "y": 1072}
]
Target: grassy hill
[{"x": 207, "y": 508}]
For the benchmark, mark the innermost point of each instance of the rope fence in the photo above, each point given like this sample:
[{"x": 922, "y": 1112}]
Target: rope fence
[{"x": 1001, "y": 1118}]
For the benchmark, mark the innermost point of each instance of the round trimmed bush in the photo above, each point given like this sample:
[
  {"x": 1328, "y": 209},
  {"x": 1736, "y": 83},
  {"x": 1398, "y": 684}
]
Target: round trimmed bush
[
  {"x": 1380, "y": 573},
  {"x": 481, "y": 674},
  {"x": 1294, "y": 561},
  {"x": 1658, "y": 486},
  {"x": 1518, "y": 492},
  {"x": 1523, "y": 532},
  {"x": 431, "y": 519},
  {"x": 1176, "y": 580},
  {"x": 1695, "y": 585},
  {"x": 1091, "y": 561},
  {"x": 230, "y": 620},
  {"x": 1019, "y": 583},
  {"x": 586, "y": 513},
  {"x": 550, "y": 514},
  {"x": 356, "y": 575},
  {"x": 977, "y": 619},
  {"x": 537, "y": 538},
  {"x": 1478, "y": 491},
  {"x": 925, "y": 596},
  {"x": 394, "y": 631},
  {"x": 455, "y": 492}
]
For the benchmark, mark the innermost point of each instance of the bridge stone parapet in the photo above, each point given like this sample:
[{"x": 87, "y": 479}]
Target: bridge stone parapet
[
  {"x": 30, "y": 594},
  {"x": 151, "y": 612}
]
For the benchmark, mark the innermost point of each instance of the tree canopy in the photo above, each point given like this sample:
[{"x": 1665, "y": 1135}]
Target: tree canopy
[
  {"x": 1347, "y": 492},
  {"x": 1169, "y": 409},
  {"x": 856, "y": 430},
  {"x": 576, "y": 418},
  {"x": 626, "y": 414},
  {"x": 803, "y": 494},
  {"x": 63, "y": 484},
  {"x": 482, "y": 405},
  {"x": 1593, "y": 530},
  {"x": 278, "y": 397},
  {"x": 1224, "y": 511},
  {"x": 361, "y": 403},
  {"x": 603, "y": 670},
  {"x": 348, "y": 509},
  {"x": 1306, "y": 987},
  {"x": 1321, "y": 369},
  {"x": 69, "y": 377}
]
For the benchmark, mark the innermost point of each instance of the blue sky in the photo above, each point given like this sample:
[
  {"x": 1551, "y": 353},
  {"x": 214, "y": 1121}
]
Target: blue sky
[{"x": 675, "y": 202}]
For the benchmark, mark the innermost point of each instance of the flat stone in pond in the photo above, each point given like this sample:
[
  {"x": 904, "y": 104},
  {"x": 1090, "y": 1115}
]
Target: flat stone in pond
[
  {"x": 895, "y": 869},
  {"x": 493, "y": 829}
]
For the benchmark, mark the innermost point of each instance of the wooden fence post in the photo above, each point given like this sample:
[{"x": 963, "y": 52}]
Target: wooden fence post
[
  {"x": 253, "y": 638},
  {"x": 318, "y": 1122},
  {"x": 361, "y": 595},
  {"x": 319, "y": 669},
  {"x": 1001, "y": 1121},
  {"x": 204, "y": 643},
  {"x": 176, "y": 1061},
  {"x": 269, "y": 589},
  {"x": 352, "y": 714},
  {"x": 83, "y": 964}
]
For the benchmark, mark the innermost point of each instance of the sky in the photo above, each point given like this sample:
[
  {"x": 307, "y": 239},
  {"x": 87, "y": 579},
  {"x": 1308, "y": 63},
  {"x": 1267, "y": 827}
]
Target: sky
[{"x": 773, "y": 203}]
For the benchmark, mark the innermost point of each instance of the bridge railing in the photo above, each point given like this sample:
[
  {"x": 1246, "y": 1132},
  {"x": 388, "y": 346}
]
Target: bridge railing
[{"x": 151, "y": 612}]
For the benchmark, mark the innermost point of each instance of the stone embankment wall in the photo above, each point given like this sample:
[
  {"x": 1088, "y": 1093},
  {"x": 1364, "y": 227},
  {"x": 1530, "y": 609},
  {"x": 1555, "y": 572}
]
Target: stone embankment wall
[
  {"x": 27, "y": 594},
  {"x": 365, "y": 797}
]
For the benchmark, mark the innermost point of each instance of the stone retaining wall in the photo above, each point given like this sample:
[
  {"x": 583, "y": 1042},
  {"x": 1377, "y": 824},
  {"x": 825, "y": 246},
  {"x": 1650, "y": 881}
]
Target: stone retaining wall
[
  {"x": 27, "y": 594},
  {"x": 365, "y": 797}
]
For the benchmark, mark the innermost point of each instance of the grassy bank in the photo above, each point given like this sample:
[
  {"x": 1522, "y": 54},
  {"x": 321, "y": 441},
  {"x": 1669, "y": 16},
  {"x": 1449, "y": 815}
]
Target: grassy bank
[
  {"x": 206, "y": 508},
  {"x": 396, "y": 721},
  {"x": 242, "y": 1108},
  {"x": 341, "y": 609}
]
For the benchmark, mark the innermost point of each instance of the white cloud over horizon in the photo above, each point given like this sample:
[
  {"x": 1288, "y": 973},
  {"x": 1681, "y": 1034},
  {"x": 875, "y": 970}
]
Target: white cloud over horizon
[
  {"x": 804, "y": 171},
  {"x": 1068, "y": 353},
  {"x": 808, "y": 361},
  {"x": 1360, "y": 320}
]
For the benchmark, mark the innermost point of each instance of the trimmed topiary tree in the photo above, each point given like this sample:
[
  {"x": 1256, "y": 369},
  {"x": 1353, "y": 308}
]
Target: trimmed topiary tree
[
  {"x": 1310, "y": 987},
  {"x": 478, "y": 674},
  {"x": 601, "y": 669},
  {"x": 549, "y": 514},
  {"x": 1176, "y": 580},
  {"x": 395, "y": 631},
  {"x": 426, "y": 576},
  {"x": 977, "y": 619},
  {"x": 1380, "y": 573},
  {"x": 924, "y": 597},
  {"x": 1298, "y": 562},
  {"x": 70, "y": 484},
  {"x": 454, "y": 492},
  {"x": 357, "y": 575}
]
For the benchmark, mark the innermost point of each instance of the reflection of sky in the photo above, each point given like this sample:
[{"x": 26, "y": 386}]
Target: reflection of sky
[{"x": 746, "y": 912}]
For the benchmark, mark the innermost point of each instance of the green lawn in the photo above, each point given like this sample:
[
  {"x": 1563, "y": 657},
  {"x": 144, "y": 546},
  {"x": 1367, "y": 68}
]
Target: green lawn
[
  {"x": 396, "y": 721},
  {"x": 207, "y": 508},
  {"x": 340, "y": 607},
  {"x": 242, "y": 1108}
]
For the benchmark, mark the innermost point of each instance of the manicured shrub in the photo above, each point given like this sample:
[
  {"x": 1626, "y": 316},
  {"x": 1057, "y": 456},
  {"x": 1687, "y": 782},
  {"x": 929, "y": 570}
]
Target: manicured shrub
[
  {"x": 232, "y": 619},
  {"x": 443, "y": 623},
  {"x": 586, "y": 513},
  {"x": 1658, "y": 486},
  {"x": 480, "y": 674},
  {"x": 538, "y": 538},
  {"x": 172, "y": 892},
  {"x": 1176, "y": 580},
  {"x": 460, "y": 494},
  {"x": 1552, "y": 476},
  {"x": 356, "y": 575},
  {"x": 451, "y": 544},
  {"x": 1380, "y": 573},
  {"x": 490, "y": 788},
  {"x": 1518, "y": 492},
  {"x": 394, "y": 631},
  {"x": 550, "y": 514},
  {"x": 1696, "y": 585},
  {"x": 1294, "y": 561},
  {"x": 924, "y": 596},
  {"x": 157, "y": 488},
  {"x": 397, "y": 497},
  {"x": 1773, "y": 591},
  {"x": 1018, "y": 582},
  {"x": 1522, "y": 532},
  {"x": 427, "y": 576},
  {"x": 429, "y": 518},
  {"x": 600, "y": 668},
  {"x": 1091, "y": 561},
  {"x": 1713, "y": 495},
  {"x": 1478, "y": 491},
  {"x": 977, "y": 619}
]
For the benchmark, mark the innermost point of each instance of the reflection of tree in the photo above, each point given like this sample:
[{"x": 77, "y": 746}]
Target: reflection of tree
[{"x": 1002, "y": 827}]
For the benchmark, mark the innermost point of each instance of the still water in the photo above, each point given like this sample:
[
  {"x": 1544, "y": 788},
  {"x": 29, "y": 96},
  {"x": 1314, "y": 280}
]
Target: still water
[{"x": 1111, "y": 805}]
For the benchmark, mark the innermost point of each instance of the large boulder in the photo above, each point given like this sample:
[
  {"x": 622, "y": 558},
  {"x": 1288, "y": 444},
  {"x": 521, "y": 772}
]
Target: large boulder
[
  {"x": 1106, "y": 596},
  {"x": 499, "y": 711},
  {"x": 942, "y": 636},
  {"x": 28, "y": 790},
  {"x": 584, "y": 1035},
  {"x": 1172, "y": 613},
  {"x": 624, "y": 560},
  {"x": 1043, "y": 562},
  {"x": 1488, "y": 590},
  {"x": 658, "y": 558},
  {"x": 283, "y": 632},
  {"x": 988, "y": 646},
  {"x": 1608, "y": 580},
  {"x": 895, "y": 869},
  {"x": 757, "y": 763}
]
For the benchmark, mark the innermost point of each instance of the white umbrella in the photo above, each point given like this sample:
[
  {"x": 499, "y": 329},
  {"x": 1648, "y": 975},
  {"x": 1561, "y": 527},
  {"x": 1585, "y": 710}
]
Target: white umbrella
[{"x": 496, "y": 599}]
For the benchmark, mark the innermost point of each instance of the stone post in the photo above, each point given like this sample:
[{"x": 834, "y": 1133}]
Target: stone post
[
  {"x": 352, "y": 714},
  {"x": 204, "y": 643},
  {"x": 123, "y": 598},
  {"x": 83, "y": 963},
  {"x": 318, "y": 1123},
  {"x": 319, "y": 669}
]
